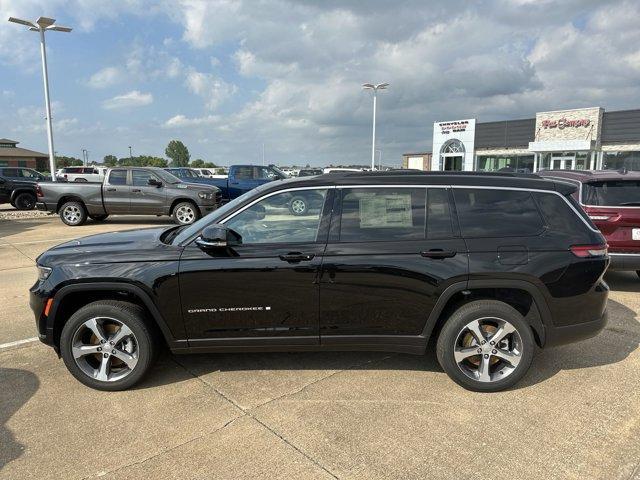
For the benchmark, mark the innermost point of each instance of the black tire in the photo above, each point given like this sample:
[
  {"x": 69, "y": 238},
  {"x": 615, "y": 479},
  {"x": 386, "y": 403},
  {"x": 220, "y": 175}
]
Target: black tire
[
  {"x": 73, "y": 213},
  {"x": 128, "y": 314},
  {"x": 450, "y": 335},
  {"x": 180, "y": 215},
  {"x": 25, "y": 201},
  {"x": 298, "y": 205},
  {"x": 98, "y": 218}
]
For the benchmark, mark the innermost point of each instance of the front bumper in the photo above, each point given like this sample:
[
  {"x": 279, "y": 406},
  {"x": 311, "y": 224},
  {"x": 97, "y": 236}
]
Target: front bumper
[{"x": 624, "y": 261}]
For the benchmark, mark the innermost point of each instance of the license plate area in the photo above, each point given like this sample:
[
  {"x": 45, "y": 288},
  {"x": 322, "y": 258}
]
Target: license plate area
[{"x": 635, "y": 234}]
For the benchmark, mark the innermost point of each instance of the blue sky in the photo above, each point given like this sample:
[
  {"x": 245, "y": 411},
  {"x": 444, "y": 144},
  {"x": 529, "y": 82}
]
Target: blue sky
[{"x": 227, "y": 76}]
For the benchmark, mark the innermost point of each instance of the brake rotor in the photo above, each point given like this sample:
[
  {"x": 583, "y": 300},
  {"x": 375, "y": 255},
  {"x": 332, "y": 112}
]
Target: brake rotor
[{"x": 470, "y": 341}]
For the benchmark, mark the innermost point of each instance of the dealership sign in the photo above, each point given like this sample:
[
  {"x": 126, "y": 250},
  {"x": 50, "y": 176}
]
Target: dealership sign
[
  {"x": 564, "y": 123},
  {"x": 450, "y": 127}
]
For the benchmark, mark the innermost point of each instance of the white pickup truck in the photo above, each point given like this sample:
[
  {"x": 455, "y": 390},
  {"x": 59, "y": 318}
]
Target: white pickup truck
[{"x": 81, "y": 174}]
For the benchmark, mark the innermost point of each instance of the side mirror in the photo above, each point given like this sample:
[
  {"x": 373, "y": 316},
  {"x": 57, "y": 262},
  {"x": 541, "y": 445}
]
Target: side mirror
[
  {"x": 154, "y": 182},
  {"x": 217, "y": 236}
]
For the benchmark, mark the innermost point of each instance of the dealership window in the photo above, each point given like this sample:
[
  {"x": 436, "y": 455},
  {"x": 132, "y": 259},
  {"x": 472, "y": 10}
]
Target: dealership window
[
  {"x": 565, "y": 161},
  {"x": 620, "y": 160},
  {"x": 505, "y": 163}
]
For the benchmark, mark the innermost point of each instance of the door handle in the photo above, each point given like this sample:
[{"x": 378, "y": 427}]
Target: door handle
[
  {"x": 136, "y": 190},
  {"x": 295, "y": 257},
  {"x": 438, "y": 253},
  {"x": 111, "y": 189}
]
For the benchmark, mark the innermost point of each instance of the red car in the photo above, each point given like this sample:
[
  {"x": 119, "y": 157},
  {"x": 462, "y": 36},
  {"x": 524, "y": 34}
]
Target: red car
[{"x": 612, "y": 201}]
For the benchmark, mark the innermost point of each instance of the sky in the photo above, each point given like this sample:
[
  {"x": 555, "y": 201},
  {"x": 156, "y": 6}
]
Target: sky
[{"x": 227, "y": 77}]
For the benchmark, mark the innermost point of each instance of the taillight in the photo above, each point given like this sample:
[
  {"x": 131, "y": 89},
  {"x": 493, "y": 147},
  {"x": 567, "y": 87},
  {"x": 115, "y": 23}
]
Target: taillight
[
  {"x": 586, "y": 251},
  {"x": 39, "y": 191}
]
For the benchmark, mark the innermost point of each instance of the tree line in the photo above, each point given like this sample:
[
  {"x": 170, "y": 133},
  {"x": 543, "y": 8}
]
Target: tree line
[{"x": 177, "y": 152}]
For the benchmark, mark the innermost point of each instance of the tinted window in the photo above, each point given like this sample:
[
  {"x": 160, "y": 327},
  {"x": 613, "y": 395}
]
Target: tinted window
[
  {"x": 140, "y": 178},
  {"x": 244, "y": 173},
  {"x": 31, "y": 174},
  {"x": 612, "y": 193},
  {"x": 497, "y": 213},
  {"x": 382, "y": 214},
  {"x": 264, "y": 173},
  {"x": 438, "y": 214},
  {"x": 118, "y": 177},
  {"x": 272, "y": 220},
  {"x": 559, "y": 216},
  {"x": 11, "y": 172}
]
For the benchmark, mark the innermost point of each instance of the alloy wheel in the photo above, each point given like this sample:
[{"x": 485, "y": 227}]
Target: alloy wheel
[
  {"x": 105, "y": 349},
  {"x": 72, "y": 214},
  {"x": 185, "y": 214},
  {"x": 488, "y": 349},
  {"x": 298, "y": 206}
]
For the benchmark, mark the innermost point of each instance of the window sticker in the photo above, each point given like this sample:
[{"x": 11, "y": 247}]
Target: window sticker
[{"x": 380, "y": 211}]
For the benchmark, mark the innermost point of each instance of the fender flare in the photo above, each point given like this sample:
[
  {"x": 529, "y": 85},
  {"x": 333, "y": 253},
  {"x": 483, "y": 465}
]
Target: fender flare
[
  {"x": 17, "y": 191},
  {"x": 110, "y": 287},
  {"x": 540, "y": 323}
]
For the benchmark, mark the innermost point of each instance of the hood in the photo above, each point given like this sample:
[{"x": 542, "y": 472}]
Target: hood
[
  {"x": 203, "y": 187},
  {"x": 142, "y": 245}
]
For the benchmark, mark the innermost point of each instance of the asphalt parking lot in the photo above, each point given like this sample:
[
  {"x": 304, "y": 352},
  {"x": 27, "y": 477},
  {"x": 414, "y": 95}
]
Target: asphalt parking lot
[{"x": 576, "y": 415}]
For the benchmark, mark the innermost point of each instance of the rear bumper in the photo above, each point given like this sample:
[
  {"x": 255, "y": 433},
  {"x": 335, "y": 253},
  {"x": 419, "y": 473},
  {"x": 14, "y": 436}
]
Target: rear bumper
[
  {"x": 577, "y": 332},
  {"x": 624, "y": 261}
]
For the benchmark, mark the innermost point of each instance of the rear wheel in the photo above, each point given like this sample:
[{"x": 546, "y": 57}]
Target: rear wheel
[
  {"x": 185, "y": 213},
  {"x": 486, "y": 346},
  {"x": 98, "y": 218},
  {"x": 73, "y": 213},
  {"x": 25, "y": 201},
  {"x": 107, "y": 345}
]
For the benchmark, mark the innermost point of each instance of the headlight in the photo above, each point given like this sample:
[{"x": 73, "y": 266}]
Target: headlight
[
  {"x": 43, "y": 272},
  {"x": 205, "y": 195}
]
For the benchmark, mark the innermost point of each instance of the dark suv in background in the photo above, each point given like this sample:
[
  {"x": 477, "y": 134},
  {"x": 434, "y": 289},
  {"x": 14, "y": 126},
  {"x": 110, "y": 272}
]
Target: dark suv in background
[
  {"x": 18, "y": 186},
  {"x": 612, "y": 201},
  {"x": 489, "y": 264}
]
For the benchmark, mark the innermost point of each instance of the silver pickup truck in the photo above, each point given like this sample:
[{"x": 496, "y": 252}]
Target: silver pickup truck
[{"x": 128, "y": 191}]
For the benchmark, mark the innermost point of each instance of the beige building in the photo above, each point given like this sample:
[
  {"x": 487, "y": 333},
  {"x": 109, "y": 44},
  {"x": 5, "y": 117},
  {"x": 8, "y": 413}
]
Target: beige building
[{"x": 418, "y": 161}]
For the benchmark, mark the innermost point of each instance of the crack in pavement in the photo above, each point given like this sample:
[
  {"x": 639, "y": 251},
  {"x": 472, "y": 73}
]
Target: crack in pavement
[
  {"x": 22, "y": 253},
  {"x": 249, "y": 414},
  {"x": 162, "y": 452}
]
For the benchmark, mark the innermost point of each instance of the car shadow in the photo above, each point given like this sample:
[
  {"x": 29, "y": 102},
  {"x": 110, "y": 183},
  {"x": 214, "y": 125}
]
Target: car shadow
[
  {"x": 18, "y": 386},
  {"x": 623, "y": 281}
]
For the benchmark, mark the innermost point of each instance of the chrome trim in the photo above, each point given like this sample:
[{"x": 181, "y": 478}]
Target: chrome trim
[{"x": 624, "y": 254}]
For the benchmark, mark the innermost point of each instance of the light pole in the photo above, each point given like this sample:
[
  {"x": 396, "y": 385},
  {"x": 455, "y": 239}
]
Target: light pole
[
  {"x": 375, "y": 88},
  {"x": 130, "y": 155},
  {"x": 41, "y": 25}
]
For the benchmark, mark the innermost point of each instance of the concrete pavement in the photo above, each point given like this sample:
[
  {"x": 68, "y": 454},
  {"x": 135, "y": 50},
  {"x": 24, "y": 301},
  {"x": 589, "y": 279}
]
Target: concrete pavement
[{"x": 576, "y": 415}]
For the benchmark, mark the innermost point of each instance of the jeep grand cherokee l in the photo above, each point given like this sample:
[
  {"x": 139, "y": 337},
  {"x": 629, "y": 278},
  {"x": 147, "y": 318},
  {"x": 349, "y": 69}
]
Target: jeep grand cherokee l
[{"x": 489, "y": 264}]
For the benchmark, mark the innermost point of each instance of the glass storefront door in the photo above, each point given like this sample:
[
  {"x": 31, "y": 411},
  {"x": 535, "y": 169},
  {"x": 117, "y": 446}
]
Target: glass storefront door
[
  {"x": 565, "y": 161},
  {"x": 453, "y": 163}
]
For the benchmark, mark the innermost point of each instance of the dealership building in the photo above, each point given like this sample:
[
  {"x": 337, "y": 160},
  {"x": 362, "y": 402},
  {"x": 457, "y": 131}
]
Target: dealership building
[{"x": 583, "y": 138}]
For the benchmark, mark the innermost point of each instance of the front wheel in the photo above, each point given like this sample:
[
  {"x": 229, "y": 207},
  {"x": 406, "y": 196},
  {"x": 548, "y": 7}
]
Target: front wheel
[
  {"x": 107, "y": 345},
  {"x": 73, "y": 213},
  {"x": 25, "y": 201},
  {"x": 485, "y": 346},
  {"x": 185, "y": 213}
]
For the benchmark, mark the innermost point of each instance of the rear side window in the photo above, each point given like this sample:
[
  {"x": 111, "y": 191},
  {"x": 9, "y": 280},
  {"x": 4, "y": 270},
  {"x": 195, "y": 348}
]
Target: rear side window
[
  {"x": 438, "y": 214},
  {"x": 497, "y": 213},
  {"x": 559, "y": 216},
  {"x": 613, "y": 193},
  {"x": 382, "y": 214},
  {"x": 118, "y": 177}
]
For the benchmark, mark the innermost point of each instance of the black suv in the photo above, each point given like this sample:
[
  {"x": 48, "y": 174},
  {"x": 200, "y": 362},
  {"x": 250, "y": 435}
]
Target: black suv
[
  {"x": 489, "y": 264},
  {"x": 18, "y": 186}
]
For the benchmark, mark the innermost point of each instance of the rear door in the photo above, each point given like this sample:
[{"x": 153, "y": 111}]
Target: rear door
[
  {"x": 116, "y": 191},
  {"x": 391, "y": 252},
  {"x": 147, "y": 198}
]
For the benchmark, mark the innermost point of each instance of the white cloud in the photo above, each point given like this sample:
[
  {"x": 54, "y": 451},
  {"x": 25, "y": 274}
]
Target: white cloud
[
  {"x": 106, "y": 77},
  {"x": 179, "y": 121},
  {"x": 134, "y": 98},
  {"x": 212, "y": 89}
]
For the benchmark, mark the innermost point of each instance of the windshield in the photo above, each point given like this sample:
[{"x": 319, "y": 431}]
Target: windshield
[
  {"x": 215, "y": 216},
  {"x": 612, "y": 193},
  {"x": 278, "y": 171},
  {"x": 167, "y": 177}
]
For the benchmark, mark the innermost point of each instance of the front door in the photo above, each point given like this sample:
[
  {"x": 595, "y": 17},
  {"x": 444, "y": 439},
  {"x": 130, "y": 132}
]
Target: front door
[
  {"x": 453, "y": 163},
  {"x": 145, "y": 198},
  {"x": 265, "y": 287},
  {"x": 116, "y": 192},
  {"x": 391, "y": 252}
]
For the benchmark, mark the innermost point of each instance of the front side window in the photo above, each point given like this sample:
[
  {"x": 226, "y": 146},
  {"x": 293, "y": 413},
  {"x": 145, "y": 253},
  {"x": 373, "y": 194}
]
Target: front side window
[
  {"x": 287, "y": 217},
  {"x": 140, "y": 178},
  {"x": 497, "y": 213},
  {"x": 382, "y": 214},
  {"x": 118, "y": 177},
  {"x": 31, "y": 174}
]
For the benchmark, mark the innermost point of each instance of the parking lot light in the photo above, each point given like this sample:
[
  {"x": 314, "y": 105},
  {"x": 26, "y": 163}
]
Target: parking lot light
[
  {"x": 41, "y": 25},
  {"x": 375, "y": 88}
]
